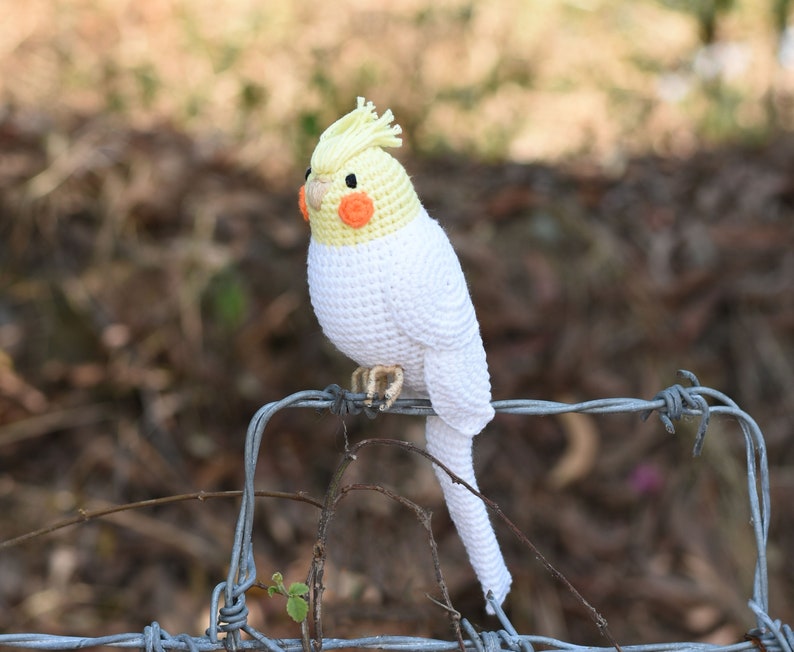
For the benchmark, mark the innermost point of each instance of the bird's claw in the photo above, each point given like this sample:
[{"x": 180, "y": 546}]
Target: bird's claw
[{"x": 380, "y": 379}]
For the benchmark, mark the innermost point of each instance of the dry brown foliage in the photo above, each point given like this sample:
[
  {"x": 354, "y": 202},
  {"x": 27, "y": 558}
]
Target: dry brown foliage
[{"x": 152, "y": 296}]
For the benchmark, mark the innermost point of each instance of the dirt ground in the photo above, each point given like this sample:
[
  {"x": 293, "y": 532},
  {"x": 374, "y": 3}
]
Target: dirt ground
[{"x": 153, "y": 296}]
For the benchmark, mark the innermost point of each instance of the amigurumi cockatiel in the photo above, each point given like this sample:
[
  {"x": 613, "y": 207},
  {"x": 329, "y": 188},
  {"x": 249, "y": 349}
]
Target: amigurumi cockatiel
[{"x": 389, "y": 292}]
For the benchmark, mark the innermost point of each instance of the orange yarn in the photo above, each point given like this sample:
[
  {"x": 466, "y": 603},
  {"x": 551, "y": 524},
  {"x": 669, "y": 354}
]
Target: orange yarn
[
  {"x": 356, "y": 209},
  {"x": 302, "y": 203}
]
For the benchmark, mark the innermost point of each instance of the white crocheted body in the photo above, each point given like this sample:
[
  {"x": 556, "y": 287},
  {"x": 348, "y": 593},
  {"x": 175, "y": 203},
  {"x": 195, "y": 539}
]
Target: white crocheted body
[{"x": 402, "y": 299}]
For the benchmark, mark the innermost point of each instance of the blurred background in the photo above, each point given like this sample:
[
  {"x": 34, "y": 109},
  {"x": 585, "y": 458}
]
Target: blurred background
[
  {"x": 618, "y": 179},
  {"x": 518, "y": 79}
]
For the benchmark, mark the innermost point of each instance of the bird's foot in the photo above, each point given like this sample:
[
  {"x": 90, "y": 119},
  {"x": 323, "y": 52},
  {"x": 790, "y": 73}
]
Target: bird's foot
[{"x": 386, "y": 380}]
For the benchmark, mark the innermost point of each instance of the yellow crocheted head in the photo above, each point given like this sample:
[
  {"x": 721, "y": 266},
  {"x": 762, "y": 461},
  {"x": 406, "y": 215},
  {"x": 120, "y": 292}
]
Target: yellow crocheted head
[{"x": 355, "y": 191}]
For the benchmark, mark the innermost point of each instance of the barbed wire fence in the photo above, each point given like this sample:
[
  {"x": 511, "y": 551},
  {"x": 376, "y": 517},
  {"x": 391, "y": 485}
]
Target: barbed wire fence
[{"x": 230, "y": 630}]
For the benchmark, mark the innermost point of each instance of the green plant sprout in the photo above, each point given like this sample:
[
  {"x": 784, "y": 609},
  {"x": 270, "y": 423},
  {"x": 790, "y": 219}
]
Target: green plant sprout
[{"x": 297, "y": 606}]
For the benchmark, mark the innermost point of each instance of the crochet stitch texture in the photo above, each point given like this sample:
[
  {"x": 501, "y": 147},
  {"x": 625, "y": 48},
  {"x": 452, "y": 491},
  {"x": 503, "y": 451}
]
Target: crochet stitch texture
[{"x": 388, "y": 289}]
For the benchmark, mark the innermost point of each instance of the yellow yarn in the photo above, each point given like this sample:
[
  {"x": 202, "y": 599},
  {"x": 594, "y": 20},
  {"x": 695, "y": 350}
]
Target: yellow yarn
[
  {"x": 352, "y": 145},
  {"x": 353, "y": 133}
]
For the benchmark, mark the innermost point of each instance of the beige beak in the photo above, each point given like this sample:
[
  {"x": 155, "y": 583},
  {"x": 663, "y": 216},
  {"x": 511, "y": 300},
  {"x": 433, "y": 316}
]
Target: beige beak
[{"x": 315, "y": 191}]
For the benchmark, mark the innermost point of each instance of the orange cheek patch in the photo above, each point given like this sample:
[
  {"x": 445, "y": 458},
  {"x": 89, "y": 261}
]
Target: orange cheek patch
[
  {"x": 356, "y": 209},
  {"x": 302, "y": 203}
]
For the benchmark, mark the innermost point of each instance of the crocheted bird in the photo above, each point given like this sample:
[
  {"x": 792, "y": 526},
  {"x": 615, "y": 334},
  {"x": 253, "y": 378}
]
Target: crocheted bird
[{"x": 389, "y": 292}]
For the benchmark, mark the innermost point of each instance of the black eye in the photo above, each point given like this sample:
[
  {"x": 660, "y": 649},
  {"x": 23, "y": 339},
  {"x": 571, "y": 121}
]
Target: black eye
[
  {"x": 351, "y": 181},
  {"x": 308, "y": 172}
]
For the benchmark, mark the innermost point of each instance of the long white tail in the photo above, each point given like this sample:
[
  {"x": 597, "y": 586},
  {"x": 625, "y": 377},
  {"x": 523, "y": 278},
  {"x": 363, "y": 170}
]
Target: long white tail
[{"x": 468, "y": 512}]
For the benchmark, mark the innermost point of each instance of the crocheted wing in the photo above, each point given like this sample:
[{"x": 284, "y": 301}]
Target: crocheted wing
[
  {"x": 430, "y": 303},
  {"x": 429, "y": 297}
]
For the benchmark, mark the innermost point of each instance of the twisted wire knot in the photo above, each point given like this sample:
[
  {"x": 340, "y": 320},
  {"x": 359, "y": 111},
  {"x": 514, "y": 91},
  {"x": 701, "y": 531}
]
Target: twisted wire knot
[
  {"x": 346, "y": 402},
  {"x": 233, "y": 617},
  {"x": 770, "y": 635},
  {"x": 497, "y": 641},
  {"x": 770, "y": 640},
  {"x": 678, "y": 401},
  {"x": 504, "y": 639},
  {"x": 492, "y": 642},
  {"x": 153, "y": 637}
]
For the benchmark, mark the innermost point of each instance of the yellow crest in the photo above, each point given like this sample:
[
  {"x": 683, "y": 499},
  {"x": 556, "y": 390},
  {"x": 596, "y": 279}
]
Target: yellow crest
[{"x": 352, "y": 134}]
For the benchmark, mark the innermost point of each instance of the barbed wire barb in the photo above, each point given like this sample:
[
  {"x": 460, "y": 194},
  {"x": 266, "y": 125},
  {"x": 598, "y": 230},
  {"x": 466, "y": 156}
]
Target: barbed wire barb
[
  {"x": 680, "y": 400},
  {"x": 230, "y": 630}
]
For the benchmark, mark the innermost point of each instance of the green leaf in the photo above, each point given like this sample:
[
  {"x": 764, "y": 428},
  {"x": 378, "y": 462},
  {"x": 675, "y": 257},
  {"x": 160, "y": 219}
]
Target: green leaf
[
  {"x": 297, "y": 589},
  {"x": 271, "y": 591},
  {"x": 297, "y": 608}
]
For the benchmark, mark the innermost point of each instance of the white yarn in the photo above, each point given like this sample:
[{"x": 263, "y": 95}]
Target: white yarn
[
  {"x": 402, "y": 299},
  {"x": 467, "y": 511}
]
